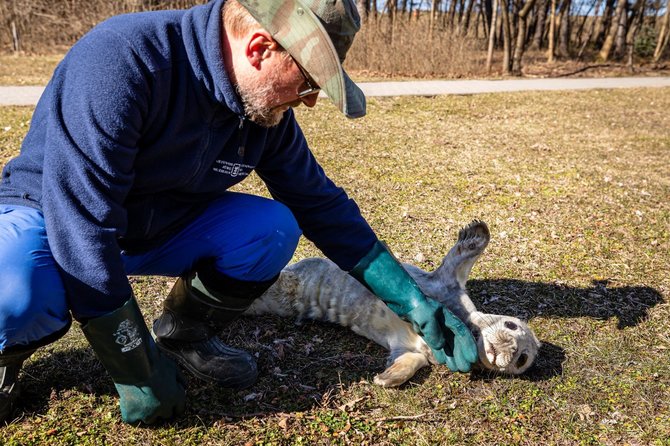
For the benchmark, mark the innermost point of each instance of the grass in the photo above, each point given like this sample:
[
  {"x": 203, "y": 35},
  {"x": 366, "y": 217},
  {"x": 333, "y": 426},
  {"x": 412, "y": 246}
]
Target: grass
[
  {"x": 575, "y": 187},
  {"x": 27, "y": 70},
  {"x": 37, "y": 69}
]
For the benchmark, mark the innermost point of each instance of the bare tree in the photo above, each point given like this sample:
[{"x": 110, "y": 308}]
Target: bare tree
[
  {"x": 585, "y": 41},
  {"x": 635, "y": 23},
  {"x": 434, "y": 6},
  {"x": 604, "y": 22},
  {"x": 614, "y": 27},
  {"x": 492, "y": 36},
  {"x": 521, "y": 37},
  {"x": 663, "y": 35},
  {"x": 564, "y": 29},
  {"x": 363, "y": 7},
  {"x": 465, "y": 22},
  {"x": 552, "y": 33},
  {"x": 486, "y": 8},
  {"x": 507, "y": 37},
  {"x": 610, "y": 28},
  {"x": 587, "y": 16},
  {"x": 620, "y": 38},
  {"x": 452, "y": 13},
  {"x": 540, "y": 23}
]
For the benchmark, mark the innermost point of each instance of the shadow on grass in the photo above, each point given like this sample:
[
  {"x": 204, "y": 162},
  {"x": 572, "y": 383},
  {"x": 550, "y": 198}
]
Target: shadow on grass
[
  {"x": 302, "y": 368},
  {"x": 629, "y": 304},
  {"x": 56, "y": 375},
  {"x": 292, "y": 377}
]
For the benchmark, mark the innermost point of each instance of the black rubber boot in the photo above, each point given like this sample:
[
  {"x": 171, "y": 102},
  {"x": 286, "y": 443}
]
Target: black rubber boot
[
  {"x": 197, "y": 309},
  {"x": 10, "y": 388},
  {"x": 11, "y": 361}
]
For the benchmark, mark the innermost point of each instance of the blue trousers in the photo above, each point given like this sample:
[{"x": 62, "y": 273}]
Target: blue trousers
[{"x": 249, "y": 238}]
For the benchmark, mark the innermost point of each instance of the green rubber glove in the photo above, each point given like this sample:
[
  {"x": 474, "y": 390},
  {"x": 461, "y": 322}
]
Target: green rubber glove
[
  {"x": 446, "y": 335},
  {"x": 148, "y": 383}
]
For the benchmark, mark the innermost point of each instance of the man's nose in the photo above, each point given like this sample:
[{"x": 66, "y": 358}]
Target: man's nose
[{"x": 310, "y": 100}]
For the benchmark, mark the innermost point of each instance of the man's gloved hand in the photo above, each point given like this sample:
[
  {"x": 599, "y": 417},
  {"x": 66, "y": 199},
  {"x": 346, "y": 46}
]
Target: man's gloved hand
[
  {"x": 148, "y": 383},
  {"x": 446, "y": 335},
  {"x": 439, "y": 327}
]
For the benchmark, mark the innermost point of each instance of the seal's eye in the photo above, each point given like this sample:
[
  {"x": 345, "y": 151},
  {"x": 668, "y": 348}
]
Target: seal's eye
[
  {"x": 511, "y": 325},
  {"x": 521, "y": 361}
]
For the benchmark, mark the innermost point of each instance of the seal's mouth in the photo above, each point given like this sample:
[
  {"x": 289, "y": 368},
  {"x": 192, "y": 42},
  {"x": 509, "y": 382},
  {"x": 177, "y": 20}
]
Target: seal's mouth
[
  {"x": 476, "y": 333},
  {"x": 491, "y": 354},
  {"x": 483, "y": 349}
]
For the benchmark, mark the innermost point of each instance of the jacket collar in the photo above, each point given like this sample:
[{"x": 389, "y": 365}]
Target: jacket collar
[{"x": 201, "y": 28}]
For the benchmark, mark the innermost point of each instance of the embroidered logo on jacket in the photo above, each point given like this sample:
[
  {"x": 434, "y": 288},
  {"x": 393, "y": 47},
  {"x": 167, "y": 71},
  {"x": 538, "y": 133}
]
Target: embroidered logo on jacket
[
  {"x": 127, "y": 336},
  {"x": 232, "y": 169}
]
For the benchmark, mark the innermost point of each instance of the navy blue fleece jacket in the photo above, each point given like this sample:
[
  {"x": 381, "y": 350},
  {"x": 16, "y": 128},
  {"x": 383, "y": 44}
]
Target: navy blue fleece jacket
[{"x": 137, "y": 131}]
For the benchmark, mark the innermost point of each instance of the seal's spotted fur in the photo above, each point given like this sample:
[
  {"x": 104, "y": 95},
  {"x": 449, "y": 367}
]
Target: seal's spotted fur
[{"x": 317, "y": 289}]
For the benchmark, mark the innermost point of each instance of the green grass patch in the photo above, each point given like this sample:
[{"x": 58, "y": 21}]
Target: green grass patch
[{"x": 575, "y": 187}]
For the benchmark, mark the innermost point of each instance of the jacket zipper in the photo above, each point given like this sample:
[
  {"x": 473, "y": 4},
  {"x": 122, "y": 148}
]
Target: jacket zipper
[{"x": 240, "y": 139}]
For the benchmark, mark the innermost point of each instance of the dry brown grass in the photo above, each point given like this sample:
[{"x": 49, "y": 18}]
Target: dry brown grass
[
  {"x": 48, "y": 26},
  {"x": 27, "y": 70},
  {"x": 400, "y": 48},
  {"x": 575, "y": 188},
  {"x": 408, "y": 49},
  {"x": 384, "y": 48}
]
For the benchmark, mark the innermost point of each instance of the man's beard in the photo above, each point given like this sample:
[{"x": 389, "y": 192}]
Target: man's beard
[{"x": 254, "y": 99}]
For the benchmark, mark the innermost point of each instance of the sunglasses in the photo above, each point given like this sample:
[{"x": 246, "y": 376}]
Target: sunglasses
[{"x": 311, "y": 87}]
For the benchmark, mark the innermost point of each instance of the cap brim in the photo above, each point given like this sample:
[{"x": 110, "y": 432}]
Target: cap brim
[
  {"x": 355, "y": 98},
  {"x": 297, "y": 29}
]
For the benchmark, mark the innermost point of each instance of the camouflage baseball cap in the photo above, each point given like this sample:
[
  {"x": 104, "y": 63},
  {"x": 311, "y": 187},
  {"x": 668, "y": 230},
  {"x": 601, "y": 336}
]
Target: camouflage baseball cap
[{"x": 318, "y": 34}]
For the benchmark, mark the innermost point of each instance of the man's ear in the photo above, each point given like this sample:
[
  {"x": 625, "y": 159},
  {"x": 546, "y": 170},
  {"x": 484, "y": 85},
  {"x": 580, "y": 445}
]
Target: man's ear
[{"x": 259, "y": 47}]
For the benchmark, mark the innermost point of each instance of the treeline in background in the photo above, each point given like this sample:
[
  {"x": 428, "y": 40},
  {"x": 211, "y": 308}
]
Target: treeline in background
[{"x": 450, "y": 38}]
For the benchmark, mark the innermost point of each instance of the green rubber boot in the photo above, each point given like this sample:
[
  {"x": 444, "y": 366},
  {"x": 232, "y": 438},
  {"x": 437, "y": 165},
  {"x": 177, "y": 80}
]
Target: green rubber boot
[{"x": 149, "y": 385}]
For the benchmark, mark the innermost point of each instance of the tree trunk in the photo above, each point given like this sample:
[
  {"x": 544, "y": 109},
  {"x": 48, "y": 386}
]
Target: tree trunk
[
  {"x": 621, "y": 31},
  {"x": 552, "y": 32},
  {"x": 604, "y": 54},
  {"x": 589, "y": 33},
  {"x": 564, "y": 30},
  {"x": 403, "y": 8},
  {"x": 540, "y": 23},
  {"x": 604, "y": 23},
  {"x": 514, "y": 18},
  {"x": 480, "y": 17},
  {"x": 465, "y": 23},
  {"x": 452, "y": 13},
  {"x": 521, "y": 37},
  {"x": 363, "y": 7},
  {"x": 460, "y": 6},
  {"x": 635, "y": 23},
  {"x": 16, "y": 42},
  {"x": 391, "y": 7},
  {"x": 664, "y": 35},
  {"x": 580, "y": 31},
  {"x": 433, "y": 15},
  {"x": 492, "y": 36},
  {"x": 487, "y": 6},
  {"x": 507, "y": 38}
]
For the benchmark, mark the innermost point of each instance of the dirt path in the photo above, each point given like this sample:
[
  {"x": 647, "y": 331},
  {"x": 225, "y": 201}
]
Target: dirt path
[{"x": 30, "y": 95}]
